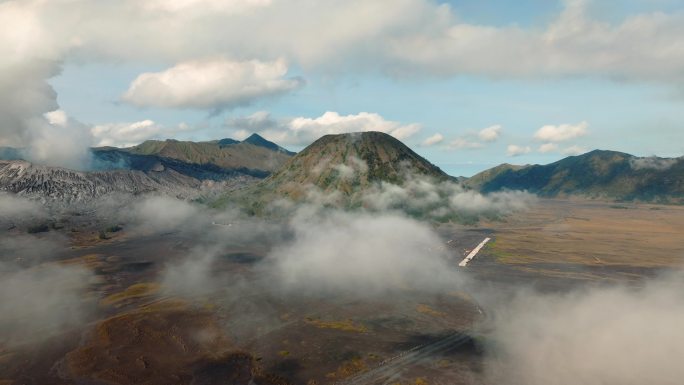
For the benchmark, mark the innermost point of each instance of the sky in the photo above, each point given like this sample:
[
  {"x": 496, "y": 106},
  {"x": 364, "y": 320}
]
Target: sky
[{"x": 467, "y": 84}]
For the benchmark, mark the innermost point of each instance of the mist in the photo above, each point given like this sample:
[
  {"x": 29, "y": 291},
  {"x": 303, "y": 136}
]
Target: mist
[
  {"x": 600, "y": 336},
  {"x": 360, "y": 253},
  {"x": 15, "y": 208},
  {"x": 653, "y": 163},
  {"x": 39, "y": 299}
]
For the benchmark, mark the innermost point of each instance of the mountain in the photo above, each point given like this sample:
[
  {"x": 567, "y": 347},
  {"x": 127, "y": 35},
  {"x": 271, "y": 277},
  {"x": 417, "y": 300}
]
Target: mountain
[
  {"x": 597, "y": 174},
  {"x": 65, "y": 186},
  {"x": 254, "y": 153},
  {"x": 258, "y": 140},
  {"x": 344, "y": 163},
  {"x": 184, "y": 169}
]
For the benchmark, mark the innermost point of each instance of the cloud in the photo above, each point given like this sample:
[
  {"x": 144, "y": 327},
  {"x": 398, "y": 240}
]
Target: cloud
[
  {"x": 490, "y": 134},
  {"x": 614, "y": 335},
  {"x": 561, "y": 133},
  {"x": 548, "y": 147},
  {"x": 214, "y": 84},
  {"x": 13, "y": 208},
  {"x": 432, "y": 140},
  {"x": 57, "y": 140},
  {"x": 653, "y": 163},
  {"x": 462, "y": 143},
  {"x": 574, "y": 150},
  {"x": 223, "y": 6},
  {"x": 38, "y": 302},
  {"x": 515, "y": 150},
  {"x": 130, "y": 134},
  {"x": 303, "y": 131},
  {"x": 39, "y": 298},
  {"x": 363, "y": 254},
  {"x": 425, "y": 198}
]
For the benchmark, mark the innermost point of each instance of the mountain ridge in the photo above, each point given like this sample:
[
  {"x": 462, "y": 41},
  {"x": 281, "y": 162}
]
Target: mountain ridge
[{"x": 599, "y": 174}]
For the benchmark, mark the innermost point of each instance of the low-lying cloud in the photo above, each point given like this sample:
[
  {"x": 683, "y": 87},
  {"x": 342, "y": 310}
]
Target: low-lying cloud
[
  {"x": 605, "y": 336},
  {"x": 363, "y": 254},
  {"x": 653, "y": 163},
  {"x": 39, "y": 299},
  {"x": 14, "y": 208},
  {"x": 443, "y": 200}
]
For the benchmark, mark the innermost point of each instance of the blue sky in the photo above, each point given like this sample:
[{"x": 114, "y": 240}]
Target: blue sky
[{"x": 600, "y": 74}]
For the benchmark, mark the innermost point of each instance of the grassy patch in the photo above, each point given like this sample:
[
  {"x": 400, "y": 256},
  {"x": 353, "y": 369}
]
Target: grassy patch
[
  {"x": 346, "y": 325},
  {"x": 425, "y": 309},
  {"x": 348, "y": 368},
  {"x": 137, "y": 290}
]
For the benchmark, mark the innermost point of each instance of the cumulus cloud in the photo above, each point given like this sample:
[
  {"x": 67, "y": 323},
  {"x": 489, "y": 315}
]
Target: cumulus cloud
[
  {"x": 432, "y": 140},
  {"x": 490, "y": 134},
  {"x": 223, "y": 6},
  {"x": 124, "y": 134},
  {"x": 463, "y": 143},
  {"x": 414, "y": 37},
  {"x": 574, "y": 150},
  {"x": 302, "y": 131},
  {"x": 561, "y": 133},
  {"x": 515, "y": 150},
  {"x": 130, "y": 134},
  {"x": 653, "y": 163},
  {"x": 614, "y": 335},
  {"x": 548, "y": 147},
  {"x": 214, "y": 84}
]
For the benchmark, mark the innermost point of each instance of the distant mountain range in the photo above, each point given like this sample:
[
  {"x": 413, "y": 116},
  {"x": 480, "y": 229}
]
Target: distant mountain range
[
  {"x": 596, "y": 174},
  {"x": 254, "y": 153},
  {"x": 183, "y": 169},
  {"x": 345, "y": 164}
]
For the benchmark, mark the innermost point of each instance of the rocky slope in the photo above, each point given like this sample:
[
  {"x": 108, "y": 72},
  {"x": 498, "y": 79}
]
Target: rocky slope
[{"x": 68, "y": 186}]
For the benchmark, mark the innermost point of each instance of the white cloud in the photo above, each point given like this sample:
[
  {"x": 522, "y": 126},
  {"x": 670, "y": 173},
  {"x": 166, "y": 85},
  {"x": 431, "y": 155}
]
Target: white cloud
[
  {"x": 226, "y": 6},
  {"x": 653, "y": 163},
  {"x": 302, "y": 131},
  {"x": 515, "y": 150},
  {"x": 124, "y": 134},
  {"x": 591, "y": 336},
  {"x": 129, "y": 134},
  {"x": 561, "y": 133},
  {"x": 434, "y": 139},
  {"x": 574, "y": 150},
  {"x": 490, "y": 134},
  {"x": 57, "y": 118},
  {"x": 548, "y": 147},
  {"x": 462, "y": 143},
  {"x": 412, "y": 37},
  {"x": 211, "y": 84}
]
